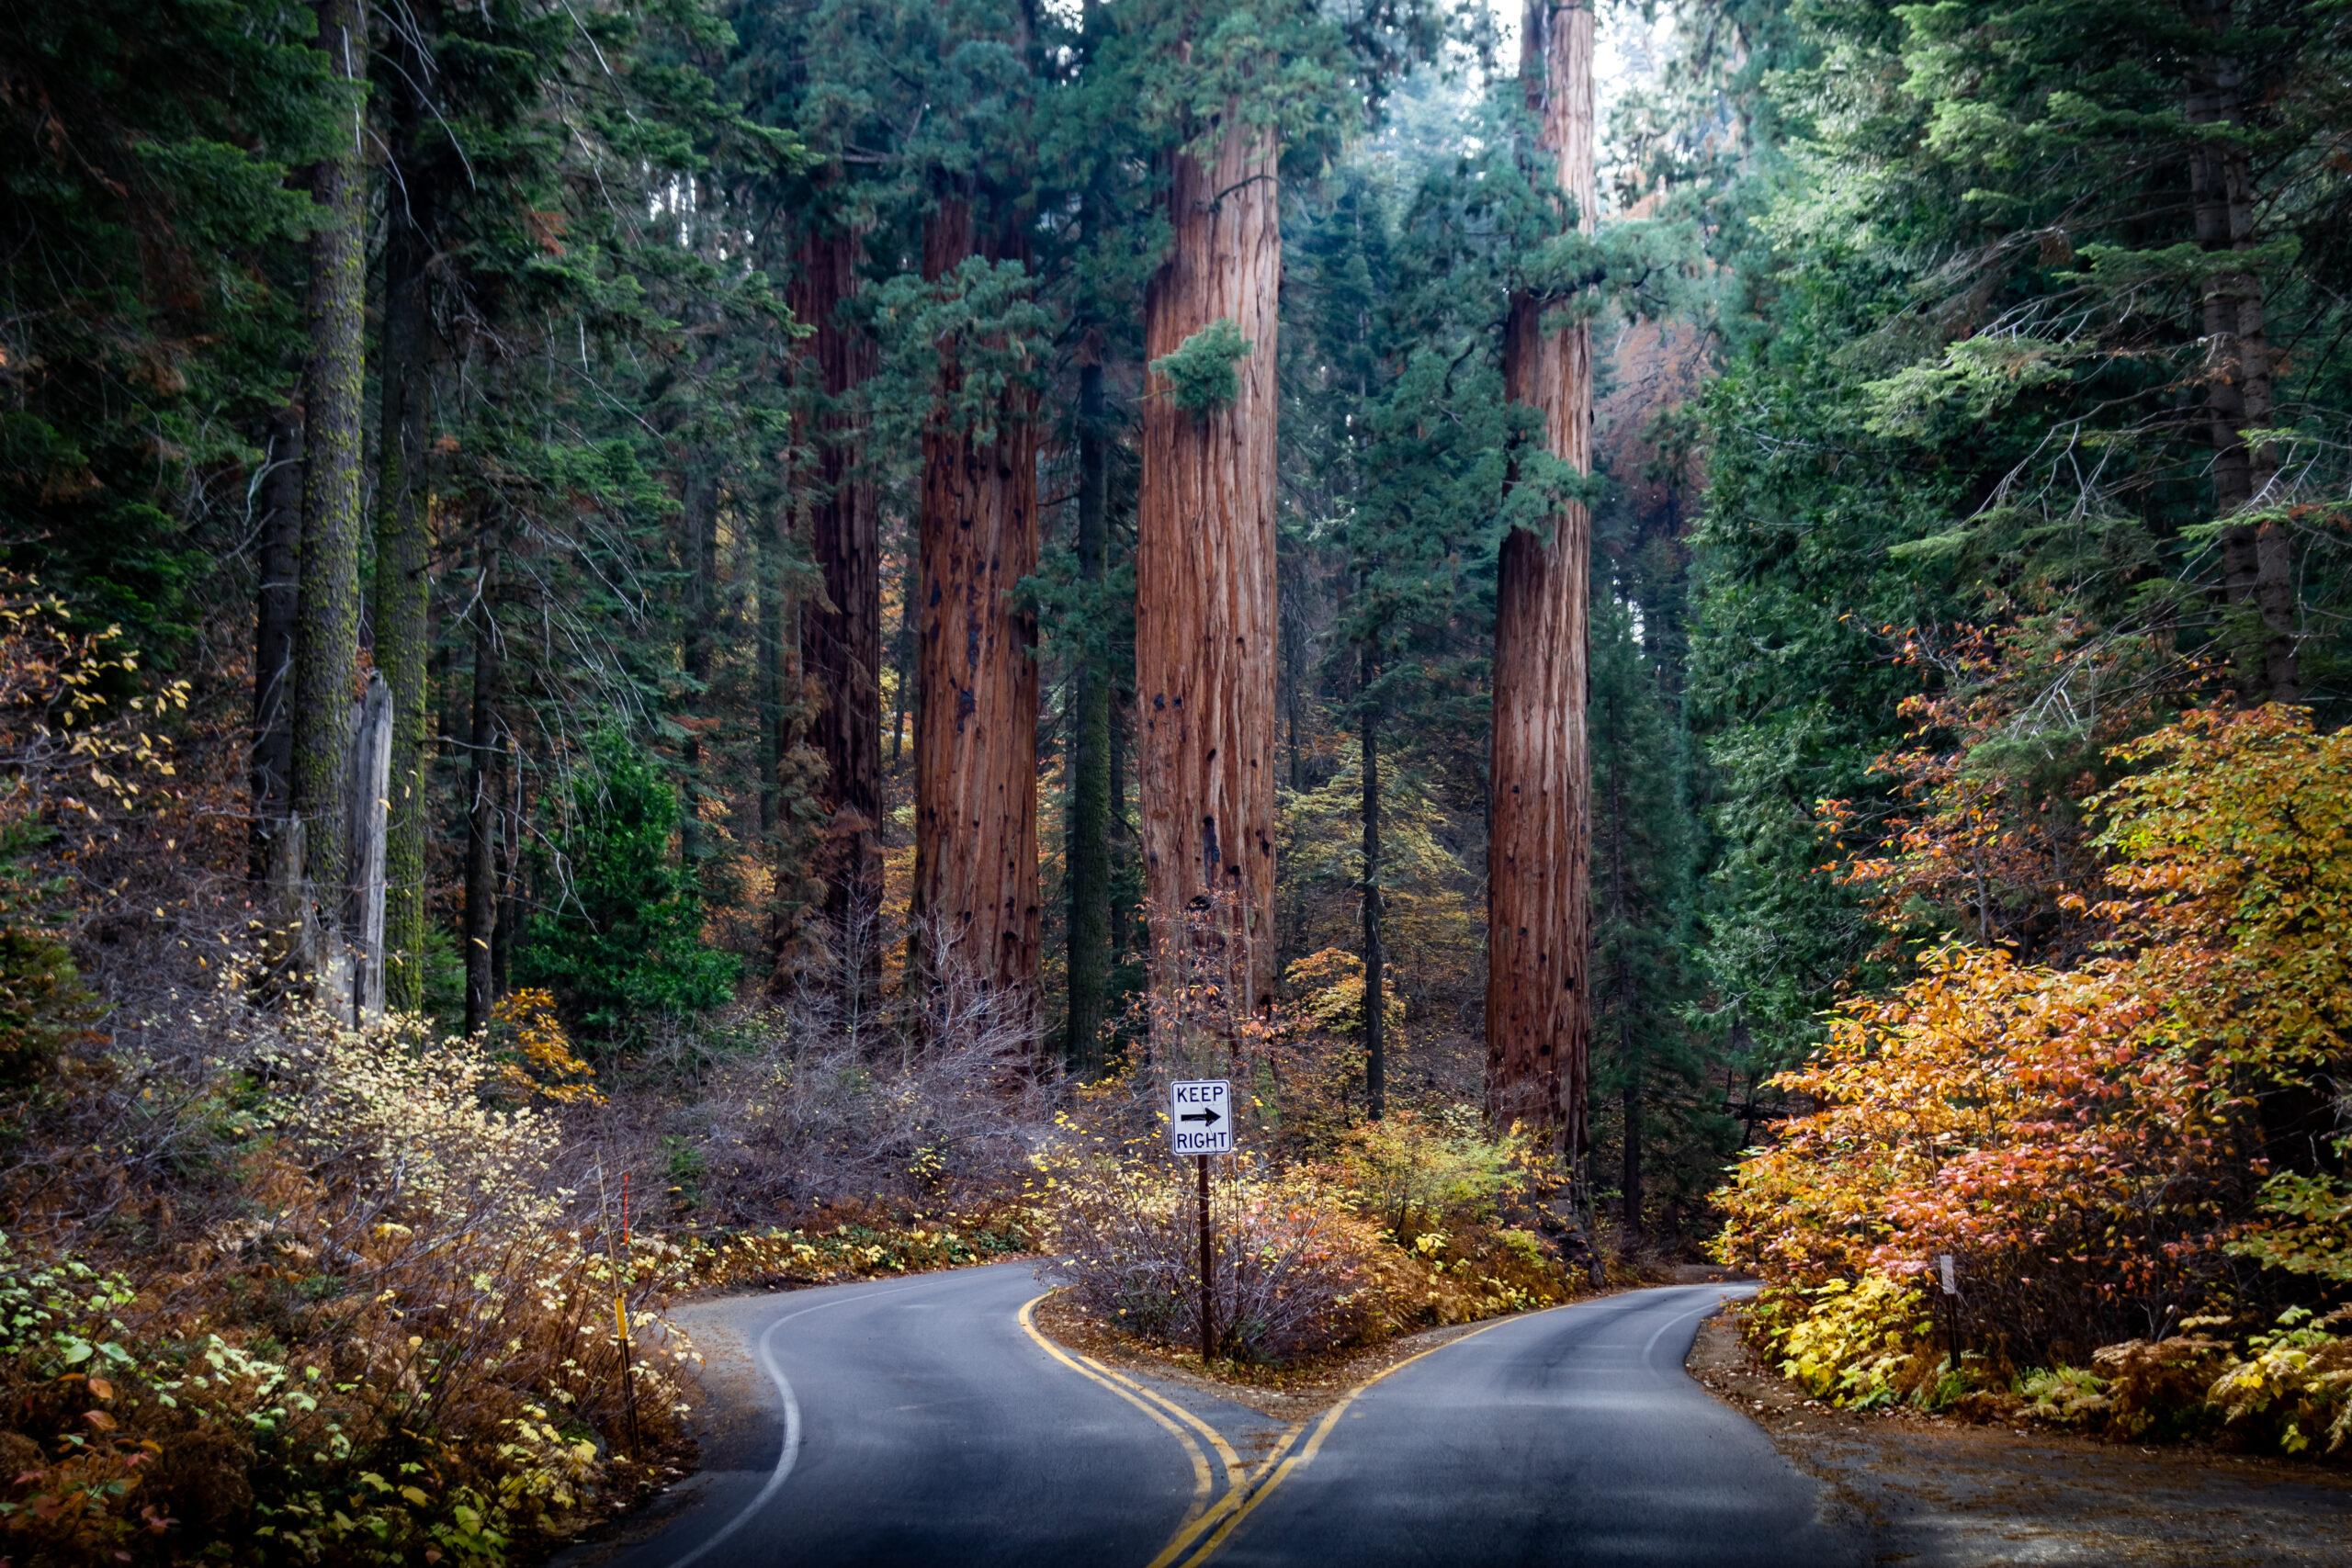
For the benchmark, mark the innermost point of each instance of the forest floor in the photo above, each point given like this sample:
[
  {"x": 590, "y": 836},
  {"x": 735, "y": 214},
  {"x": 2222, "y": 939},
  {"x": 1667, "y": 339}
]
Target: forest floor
[{"x": 1943, "y": 1492}]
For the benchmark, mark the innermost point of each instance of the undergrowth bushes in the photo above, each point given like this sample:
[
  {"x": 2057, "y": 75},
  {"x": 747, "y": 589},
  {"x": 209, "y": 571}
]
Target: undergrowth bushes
[
  {"x": 1404, "y": 1228},
  {"x": 406, "y": 1348},
  {"x": 2138, "y": 1162}
]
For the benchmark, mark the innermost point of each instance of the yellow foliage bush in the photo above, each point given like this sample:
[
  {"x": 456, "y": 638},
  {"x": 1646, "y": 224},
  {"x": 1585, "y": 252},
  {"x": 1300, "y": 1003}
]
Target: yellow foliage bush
[
  {"x": 1860, "y": 1343},
  {"x": 401, "y": 1353},
  {"x": 2086, "y": 1141},
  {"x": 1399, "y": 1232}
]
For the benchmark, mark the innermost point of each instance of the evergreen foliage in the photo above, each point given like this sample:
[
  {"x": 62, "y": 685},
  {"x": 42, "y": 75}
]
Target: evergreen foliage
[{"x": 620, "y": 939}]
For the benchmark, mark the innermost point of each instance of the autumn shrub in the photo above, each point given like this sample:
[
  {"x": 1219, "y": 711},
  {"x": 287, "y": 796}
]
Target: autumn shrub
[
  {"x": 2295, "y": 1381},
  {"x": 406, "y": 1348},
  {"x": 1296, "y": 1271},
  {"x": 854, "y": 1250},
  {"x": 1405, "y": 1228},
  {"x": 812, "y": 1112},
  {"x": 1417, "y": 1174},
  {"x": 2105, "y": 1149},
  {"x": 1859, "y": 1342}
]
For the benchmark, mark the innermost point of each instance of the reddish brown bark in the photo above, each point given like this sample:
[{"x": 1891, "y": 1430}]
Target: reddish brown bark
[
  {"x": 1539, "y": 1023},
  {"x": 1204, "y": 569},
  {"x": 977, "y": 905},
  {"x": 840, "y": 636}
]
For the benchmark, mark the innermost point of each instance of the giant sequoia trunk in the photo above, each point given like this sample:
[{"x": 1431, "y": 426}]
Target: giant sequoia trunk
[
  {"x": 402, "y": 640},
  {"x": 1205, "y": 581},
  {"x": 841, "y": 638},
  {"x": 1539, "y": 1022},
  {"x": 976, "y": 894},
  {"x": 2258, "y": 567}
]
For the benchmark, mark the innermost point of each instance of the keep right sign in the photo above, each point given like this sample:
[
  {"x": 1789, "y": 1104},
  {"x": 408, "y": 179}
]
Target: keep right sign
[{"x": 1200, "y": 1116}]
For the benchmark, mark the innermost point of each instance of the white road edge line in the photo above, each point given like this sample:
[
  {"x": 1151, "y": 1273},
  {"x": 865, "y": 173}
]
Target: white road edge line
[
  {"x": 1673, "y": 1322},
  {"x": 791, "y": 1452}
]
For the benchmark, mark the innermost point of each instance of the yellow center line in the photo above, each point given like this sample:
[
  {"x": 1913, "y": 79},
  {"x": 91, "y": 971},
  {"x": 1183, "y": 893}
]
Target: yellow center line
[
  {"x": 1235, "y": 1497},
  {"x": 1304, "y": 1455},
  {"x": 1231, "y": 1461},
  {"x": 1201, "y": 1483}
]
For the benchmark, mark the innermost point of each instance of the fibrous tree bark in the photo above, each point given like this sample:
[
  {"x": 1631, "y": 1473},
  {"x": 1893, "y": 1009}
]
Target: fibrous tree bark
[
  {"x": 977, "y": 906},
  {"x": 326, "y": 634},
  {"x": 1538, "y": 922},
  {"x": 1089, "y": 722},
  {"x": 840, "y": 636},
  {"x": 2257, "y": 568},
  {"x": 398, "y": 613},
  {"x": 1205, "y": 575}
]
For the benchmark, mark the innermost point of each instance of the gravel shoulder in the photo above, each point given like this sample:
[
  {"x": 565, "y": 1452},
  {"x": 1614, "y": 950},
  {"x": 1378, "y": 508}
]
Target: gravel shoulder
[{"x": 1945, "y": 1494}]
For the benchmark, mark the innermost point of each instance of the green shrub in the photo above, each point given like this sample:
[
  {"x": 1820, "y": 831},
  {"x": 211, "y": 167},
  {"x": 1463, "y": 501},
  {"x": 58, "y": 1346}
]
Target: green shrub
[
  {"x": 43, "y": 1005},
  {"x": 1200, "y": 373},
  {"x": 623, "y": 939}
]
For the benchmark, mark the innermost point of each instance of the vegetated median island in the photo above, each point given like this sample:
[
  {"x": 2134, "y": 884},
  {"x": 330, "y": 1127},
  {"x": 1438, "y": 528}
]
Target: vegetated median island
[{"x": 1332, "y": 1254}]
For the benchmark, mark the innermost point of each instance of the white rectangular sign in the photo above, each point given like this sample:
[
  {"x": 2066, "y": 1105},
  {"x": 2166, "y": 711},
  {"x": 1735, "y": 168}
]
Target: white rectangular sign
[
  {"x": 1200, "y": 1117},
  {"x": 1943, "y": 1267}
]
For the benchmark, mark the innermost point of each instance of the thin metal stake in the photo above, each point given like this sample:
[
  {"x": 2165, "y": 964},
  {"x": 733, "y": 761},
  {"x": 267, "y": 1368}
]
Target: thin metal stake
[{"x": 1208, "y": 1274}]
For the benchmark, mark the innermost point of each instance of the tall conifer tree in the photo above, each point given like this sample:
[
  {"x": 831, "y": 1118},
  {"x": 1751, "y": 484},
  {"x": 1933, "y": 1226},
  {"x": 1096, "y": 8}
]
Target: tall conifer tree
[{"x": 1538, "y": 923}]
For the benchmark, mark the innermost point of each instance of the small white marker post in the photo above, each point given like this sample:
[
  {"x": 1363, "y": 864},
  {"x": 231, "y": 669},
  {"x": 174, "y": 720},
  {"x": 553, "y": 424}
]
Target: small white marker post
[
  {"x": 1951, "y": 1308},
  {"x": 1200, "y": 1123}
]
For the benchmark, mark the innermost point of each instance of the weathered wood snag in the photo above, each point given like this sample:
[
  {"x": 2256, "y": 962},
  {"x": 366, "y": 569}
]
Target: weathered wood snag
[
  {"x": 1539, "y": 1022},
  {"x": 1204, "y": 569}
]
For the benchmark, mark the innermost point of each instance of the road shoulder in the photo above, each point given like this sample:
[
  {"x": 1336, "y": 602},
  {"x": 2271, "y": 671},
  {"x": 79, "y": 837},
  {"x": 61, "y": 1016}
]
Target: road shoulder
[{"x": 1946, "y": 1494}]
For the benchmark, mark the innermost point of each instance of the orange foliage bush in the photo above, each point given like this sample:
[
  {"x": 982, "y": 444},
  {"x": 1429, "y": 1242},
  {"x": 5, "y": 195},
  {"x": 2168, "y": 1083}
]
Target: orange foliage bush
[{"x": 2089, "y": 1142}]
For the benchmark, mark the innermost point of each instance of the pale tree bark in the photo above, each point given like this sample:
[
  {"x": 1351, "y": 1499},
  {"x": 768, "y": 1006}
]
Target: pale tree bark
[
  {"x": 2258, "y": 567},
  {"x": 1539, "y": 1022},
  {"x": 977, "y": 905},
  {"x": 841, "y": 636},
  {"x": 482, "y": 754},
  {"x": 1205, "y": 572},
  {"x": 327, "y": 632}
]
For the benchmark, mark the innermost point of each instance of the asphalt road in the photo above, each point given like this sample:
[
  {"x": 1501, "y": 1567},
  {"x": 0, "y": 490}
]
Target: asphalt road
[{"x": 923, "y": 1421}]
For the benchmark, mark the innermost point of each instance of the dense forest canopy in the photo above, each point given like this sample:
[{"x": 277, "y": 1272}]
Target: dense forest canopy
[{"x": 1583, "y": 571}]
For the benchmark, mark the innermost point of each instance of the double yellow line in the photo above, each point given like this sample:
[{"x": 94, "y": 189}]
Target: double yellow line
[{"x": 1215, "y": 1514}]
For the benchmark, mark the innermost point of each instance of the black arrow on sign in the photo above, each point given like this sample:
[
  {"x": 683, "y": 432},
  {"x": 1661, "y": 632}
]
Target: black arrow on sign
[{"x": 1211, "y": 1117}]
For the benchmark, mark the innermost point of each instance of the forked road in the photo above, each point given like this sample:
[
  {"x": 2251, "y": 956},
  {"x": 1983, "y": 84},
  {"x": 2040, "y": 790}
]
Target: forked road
[{"x": 921, "y": 1421}]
